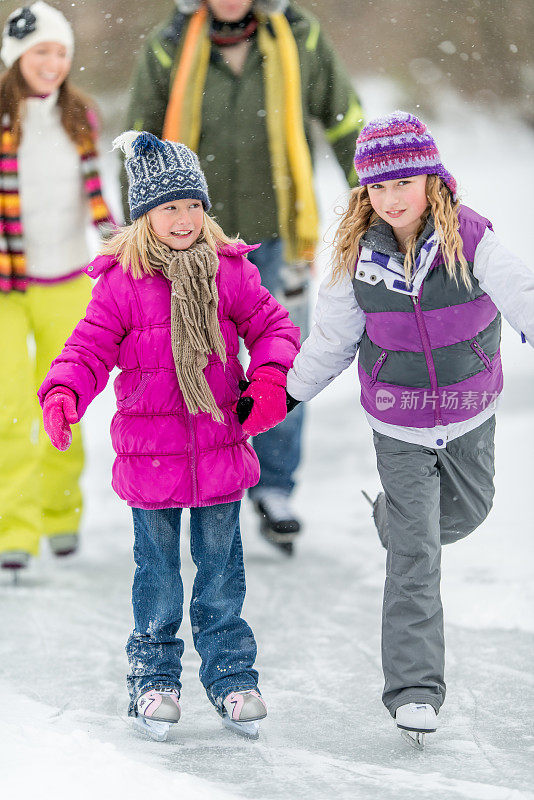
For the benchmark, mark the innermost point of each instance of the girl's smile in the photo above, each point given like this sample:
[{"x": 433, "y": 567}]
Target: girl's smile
[
  {"x": 45, "y": 66},
  {"x": 400, "y": 203},
  {"x": 177, "y": 224}
]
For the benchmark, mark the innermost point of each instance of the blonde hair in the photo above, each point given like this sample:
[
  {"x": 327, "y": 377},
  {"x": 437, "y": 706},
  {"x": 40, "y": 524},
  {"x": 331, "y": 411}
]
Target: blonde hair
[
  {"x": 130, "y": 245},
  {"x": 360, "y": 216}
]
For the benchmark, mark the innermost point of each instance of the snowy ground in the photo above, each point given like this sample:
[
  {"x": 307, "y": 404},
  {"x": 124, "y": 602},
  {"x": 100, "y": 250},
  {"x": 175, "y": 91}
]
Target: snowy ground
[{"x": 63, "y": 731}]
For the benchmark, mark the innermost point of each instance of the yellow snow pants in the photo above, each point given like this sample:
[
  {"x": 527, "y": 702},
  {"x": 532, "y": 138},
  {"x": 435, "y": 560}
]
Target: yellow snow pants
[{"x": 39, "y": 491}]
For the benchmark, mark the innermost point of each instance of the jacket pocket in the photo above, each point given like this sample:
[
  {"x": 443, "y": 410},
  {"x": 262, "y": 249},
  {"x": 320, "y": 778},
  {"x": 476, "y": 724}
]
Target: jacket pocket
[
  {"x": 379, "y": 363},
  {"x": 475, "y": 346},
  {"x": 133, "y": 397}
]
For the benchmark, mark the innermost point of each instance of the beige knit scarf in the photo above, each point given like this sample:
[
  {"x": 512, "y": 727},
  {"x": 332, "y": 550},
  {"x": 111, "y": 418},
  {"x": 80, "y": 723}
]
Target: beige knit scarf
[{"x": 195, "y": 329}]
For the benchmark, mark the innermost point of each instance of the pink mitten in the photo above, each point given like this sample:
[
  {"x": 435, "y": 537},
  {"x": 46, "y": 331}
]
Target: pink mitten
[
  {"x": 264, "y": 400},
  {"x": 59, "y": 413}
]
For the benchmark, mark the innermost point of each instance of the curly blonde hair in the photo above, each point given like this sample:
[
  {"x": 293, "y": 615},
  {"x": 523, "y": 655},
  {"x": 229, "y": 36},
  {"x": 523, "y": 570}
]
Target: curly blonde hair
[
  {"x": 360, "y": 216},
  {"x": 130, "y": 244}
]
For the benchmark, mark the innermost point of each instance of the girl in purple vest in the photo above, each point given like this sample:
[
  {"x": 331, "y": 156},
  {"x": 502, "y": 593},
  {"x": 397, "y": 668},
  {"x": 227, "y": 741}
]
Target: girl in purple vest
[
  {"x": 418, "y": 287},
  {"x": 49, "y": 194},
  {"x": 173, "y": 296}
]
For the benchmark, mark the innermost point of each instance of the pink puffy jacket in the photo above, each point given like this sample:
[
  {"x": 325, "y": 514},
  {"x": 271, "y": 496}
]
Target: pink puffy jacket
[{"x": 167, "y": 457}]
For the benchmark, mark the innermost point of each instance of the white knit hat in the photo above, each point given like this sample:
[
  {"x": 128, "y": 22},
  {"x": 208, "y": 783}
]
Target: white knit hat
[{"x": 32, "y": 25}]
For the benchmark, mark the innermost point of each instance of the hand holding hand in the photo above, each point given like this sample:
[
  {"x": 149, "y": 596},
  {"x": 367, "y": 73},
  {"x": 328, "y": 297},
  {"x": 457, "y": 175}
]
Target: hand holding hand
[
  {"x": 263, "y": 404},
  {"x": 59, "y": 413}
]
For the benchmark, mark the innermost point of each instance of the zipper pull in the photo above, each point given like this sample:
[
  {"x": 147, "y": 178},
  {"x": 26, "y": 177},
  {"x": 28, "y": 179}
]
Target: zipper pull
[{"x": 415, "y": 300}]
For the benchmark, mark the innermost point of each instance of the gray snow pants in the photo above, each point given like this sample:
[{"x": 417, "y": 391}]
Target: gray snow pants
[{"x": 431, "y": 497}]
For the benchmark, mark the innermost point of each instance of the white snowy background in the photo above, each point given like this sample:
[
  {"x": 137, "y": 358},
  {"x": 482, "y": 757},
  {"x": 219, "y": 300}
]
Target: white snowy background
[{"x": 63, "y": 727}]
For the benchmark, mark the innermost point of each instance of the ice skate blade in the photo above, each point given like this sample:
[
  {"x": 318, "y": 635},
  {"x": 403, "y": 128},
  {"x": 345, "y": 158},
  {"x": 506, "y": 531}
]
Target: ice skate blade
[
  {"x": 282, "y": 542},
  {"x": 276, "y": 536},
  {"x": 369, "y": 500},
  {"x": 249, "y": 730},
  {"x": 415, "y": 739},
  {"x": 155, "y": 729}
]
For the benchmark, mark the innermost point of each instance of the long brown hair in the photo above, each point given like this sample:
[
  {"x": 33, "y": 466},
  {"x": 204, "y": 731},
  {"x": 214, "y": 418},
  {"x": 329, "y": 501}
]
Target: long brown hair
[
  {"x": 360, "y": 215},
  {"x": 130, "y": 245},
  {"x": 74, "y": 106}
]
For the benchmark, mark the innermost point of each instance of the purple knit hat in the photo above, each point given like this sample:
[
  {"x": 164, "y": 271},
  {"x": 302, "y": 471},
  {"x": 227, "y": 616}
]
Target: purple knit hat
[{"x": 398, "y": 146}]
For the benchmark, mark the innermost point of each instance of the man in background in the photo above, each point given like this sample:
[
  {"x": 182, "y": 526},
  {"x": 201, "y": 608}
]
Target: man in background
[{"x": 239, "y": 81}]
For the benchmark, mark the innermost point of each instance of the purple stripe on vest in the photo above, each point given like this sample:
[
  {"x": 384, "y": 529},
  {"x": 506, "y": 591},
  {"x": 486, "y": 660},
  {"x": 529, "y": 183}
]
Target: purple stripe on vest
[
  {"x": 397, "y": 330},
  {"x": 416, "y": 408}
]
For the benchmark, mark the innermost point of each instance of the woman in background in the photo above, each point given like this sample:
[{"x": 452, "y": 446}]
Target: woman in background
[{"x": 49, "y": 191}]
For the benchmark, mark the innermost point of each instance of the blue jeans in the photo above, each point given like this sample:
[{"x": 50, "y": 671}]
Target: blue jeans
[
  {"x": 279, "y": 449},
  {"x": 221, "y": 636}
]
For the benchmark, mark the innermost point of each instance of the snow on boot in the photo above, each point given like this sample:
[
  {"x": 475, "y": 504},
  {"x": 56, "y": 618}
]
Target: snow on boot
[
  {"x": 414, "y": 720},
  {"x": 156, "y": 710},
  {"x": 63, "y": 544},
  {"x": 379, "y": 515},
  {"x": 279, "y": 525},
  {"x": 242, "y": 712}
]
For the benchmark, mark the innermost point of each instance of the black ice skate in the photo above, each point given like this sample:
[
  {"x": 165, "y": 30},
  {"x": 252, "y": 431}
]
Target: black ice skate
[{"x": 278, "y": 524}]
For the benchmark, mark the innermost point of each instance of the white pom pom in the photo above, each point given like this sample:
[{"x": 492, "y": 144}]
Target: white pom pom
[{"x": 125, "y": 142}]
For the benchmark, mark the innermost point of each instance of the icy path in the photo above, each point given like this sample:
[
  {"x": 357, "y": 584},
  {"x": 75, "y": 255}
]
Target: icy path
[
  {"x": 63, "y": 732},
  {"x": 317, "y": 621}
]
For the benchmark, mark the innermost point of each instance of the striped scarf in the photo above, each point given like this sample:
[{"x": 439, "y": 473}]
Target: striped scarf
[
  {"x": 12, "y": 257},
  {"x": 290, "y": 155}
]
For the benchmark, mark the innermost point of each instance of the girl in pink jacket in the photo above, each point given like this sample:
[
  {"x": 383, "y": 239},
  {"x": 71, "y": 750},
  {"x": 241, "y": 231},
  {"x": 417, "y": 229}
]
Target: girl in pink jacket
[{"x": 173, "y": 297}]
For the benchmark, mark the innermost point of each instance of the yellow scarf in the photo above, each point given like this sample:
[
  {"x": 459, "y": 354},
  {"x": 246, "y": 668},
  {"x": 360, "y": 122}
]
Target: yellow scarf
[{"x": 290, "y": 156}]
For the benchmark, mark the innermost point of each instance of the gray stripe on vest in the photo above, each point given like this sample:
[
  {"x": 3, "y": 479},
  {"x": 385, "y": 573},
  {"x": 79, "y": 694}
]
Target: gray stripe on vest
[
  {"x": 453, "y": 363},
  {"x": 439, "y": 290}
]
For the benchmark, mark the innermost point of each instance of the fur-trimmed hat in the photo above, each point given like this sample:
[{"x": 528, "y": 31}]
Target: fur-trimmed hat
[
  {"x": 267, "y": 6},
  {"x": 31, "y": 25},
  {"x": 159, "y": 172}
]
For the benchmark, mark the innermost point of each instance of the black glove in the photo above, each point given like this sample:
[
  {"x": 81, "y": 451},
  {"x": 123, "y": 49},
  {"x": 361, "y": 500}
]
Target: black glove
[
  {"x": 244, "y": 404},
  {"x": 291, "y": 402}
]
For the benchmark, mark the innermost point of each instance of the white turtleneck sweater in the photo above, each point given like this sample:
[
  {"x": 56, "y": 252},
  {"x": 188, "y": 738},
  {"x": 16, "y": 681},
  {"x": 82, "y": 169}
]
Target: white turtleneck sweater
[{"x": 54, "y": 208}]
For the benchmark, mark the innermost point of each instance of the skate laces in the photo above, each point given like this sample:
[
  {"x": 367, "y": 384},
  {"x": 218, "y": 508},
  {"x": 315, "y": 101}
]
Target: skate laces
[{"x": 161, "y": 690}]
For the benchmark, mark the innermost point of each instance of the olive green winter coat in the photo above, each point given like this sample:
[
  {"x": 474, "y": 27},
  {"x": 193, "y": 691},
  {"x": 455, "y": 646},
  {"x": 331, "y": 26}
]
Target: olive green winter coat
[{"x": 234, "y": 147}]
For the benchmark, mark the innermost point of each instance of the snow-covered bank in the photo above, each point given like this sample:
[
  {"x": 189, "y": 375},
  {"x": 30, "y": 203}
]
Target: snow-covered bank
[{"x": 317, "y": 618}]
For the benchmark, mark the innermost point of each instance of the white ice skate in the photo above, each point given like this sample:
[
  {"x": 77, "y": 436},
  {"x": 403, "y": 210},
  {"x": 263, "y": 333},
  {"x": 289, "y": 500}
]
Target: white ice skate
[
  {"x": 14, "y": 561},
  {"x": 63, "y": 544},
  {"x": 242, "y": 712},
  {"x": 156, "y": 710},
  {"x": 415, "y": 720}
]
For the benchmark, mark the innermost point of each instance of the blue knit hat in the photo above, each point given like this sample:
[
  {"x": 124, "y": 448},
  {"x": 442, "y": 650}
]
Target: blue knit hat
[{"x": 160, "y": 172}]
